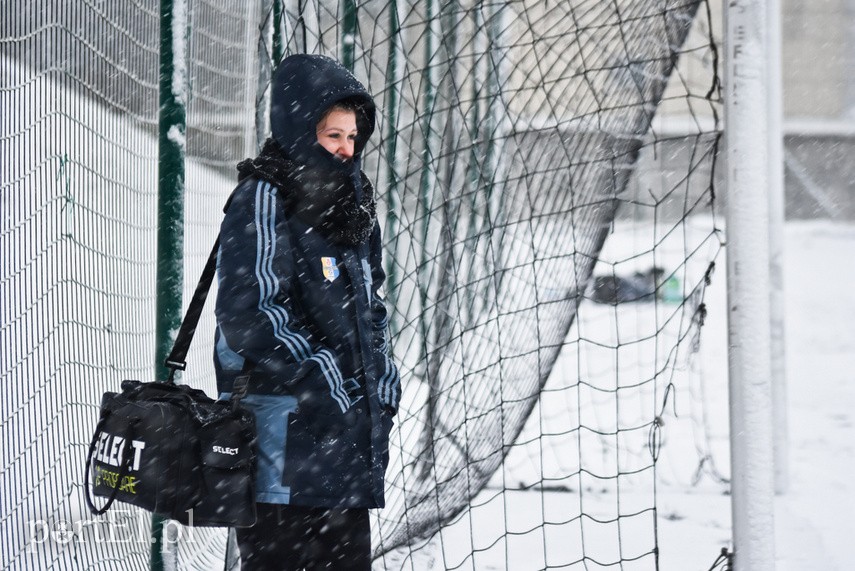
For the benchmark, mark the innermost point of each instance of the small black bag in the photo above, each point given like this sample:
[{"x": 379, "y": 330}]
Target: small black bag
[{"x": 172, "y": 450}]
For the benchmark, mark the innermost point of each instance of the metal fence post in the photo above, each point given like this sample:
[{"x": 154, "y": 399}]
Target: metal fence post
[{"x": 170, "y": 202}]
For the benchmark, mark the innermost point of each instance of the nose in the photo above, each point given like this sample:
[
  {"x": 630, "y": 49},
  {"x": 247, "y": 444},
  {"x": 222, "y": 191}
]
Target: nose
[{"x": 345, "y": 149}]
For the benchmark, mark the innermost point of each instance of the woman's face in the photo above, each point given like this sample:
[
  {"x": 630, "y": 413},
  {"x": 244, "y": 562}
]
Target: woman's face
[{"x": 337, "y": 133}]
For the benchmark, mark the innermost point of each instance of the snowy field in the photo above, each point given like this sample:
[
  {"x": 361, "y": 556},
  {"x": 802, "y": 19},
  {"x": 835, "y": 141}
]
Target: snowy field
[
  {"x": 506, "y": 527},
  {"x": 812, "y": 532}
]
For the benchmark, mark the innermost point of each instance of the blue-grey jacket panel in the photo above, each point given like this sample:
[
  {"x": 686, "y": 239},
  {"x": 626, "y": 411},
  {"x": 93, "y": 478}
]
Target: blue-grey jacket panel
[{"x": 309, "y": 316}]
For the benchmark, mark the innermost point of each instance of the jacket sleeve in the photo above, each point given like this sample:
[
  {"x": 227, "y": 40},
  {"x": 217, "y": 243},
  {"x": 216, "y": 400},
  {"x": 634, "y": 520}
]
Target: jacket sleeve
[
  {"x": 389, "y": 384},
  {"x": 254, "y": 309}
]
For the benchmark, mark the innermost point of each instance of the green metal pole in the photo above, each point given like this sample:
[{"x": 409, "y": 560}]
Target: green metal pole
[
  {"x": 493, "y": 96},
  {"x": 425, "y": 185},
  {"x": 348, "y": 33},
  {"x": 392, "y": 201},
  {"x": 278, "y": 47},
  {"x": 170, "y": 202}
]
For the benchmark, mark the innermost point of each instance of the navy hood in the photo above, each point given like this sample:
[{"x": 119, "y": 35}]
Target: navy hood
[{"x": 304, "y": 87}]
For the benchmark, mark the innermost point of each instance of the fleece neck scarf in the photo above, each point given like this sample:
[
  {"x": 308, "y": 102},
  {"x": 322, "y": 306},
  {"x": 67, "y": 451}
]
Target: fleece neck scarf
[{"x": 336, "y": 204}]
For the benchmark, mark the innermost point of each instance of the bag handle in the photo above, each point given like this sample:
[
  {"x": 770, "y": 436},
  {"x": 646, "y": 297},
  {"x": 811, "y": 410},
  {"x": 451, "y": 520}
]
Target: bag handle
[
  {"x": 176, "y": 361},
  {"x": 123, "y": 469}
]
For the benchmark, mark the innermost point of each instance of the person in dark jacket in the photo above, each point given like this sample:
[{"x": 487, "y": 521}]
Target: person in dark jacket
[{"x": 300, "y": 310}]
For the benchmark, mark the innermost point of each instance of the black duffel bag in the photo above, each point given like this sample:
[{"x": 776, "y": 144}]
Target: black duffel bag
[{"x": 172, "y": 450}]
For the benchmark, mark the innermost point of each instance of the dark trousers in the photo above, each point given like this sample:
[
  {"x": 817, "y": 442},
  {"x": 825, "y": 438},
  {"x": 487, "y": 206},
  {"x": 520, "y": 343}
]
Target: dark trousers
[{"x": 290, "y": 538}]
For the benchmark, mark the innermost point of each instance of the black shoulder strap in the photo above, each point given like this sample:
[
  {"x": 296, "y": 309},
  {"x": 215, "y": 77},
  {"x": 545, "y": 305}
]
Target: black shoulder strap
[{"x": 176, "y": 359}]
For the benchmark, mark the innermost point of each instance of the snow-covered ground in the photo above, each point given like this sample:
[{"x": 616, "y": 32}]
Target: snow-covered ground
[
  {"x": 811, "y": 518},
  {"x": 505, "y": 529},
  {"x": 813, "y": 530}
]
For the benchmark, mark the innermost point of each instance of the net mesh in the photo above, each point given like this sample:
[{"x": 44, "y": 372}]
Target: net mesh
[{"x": 545, "y": 177}]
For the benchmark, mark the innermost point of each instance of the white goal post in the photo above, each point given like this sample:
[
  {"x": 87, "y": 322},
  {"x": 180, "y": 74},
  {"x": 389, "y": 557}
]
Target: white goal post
[{"x": 754, "y": 219}]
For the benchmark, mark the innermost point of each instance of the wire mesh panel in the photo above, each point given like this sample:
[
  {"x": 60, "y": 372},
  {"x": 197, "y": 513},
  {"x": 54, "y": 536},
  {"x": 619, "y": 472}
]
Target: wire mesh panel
[
  {"x": 545, "y": 178},
  {"x": 78, "y": 215},
  {"x": 513, "y": 133},
  {"x": 80, "y": 172}
]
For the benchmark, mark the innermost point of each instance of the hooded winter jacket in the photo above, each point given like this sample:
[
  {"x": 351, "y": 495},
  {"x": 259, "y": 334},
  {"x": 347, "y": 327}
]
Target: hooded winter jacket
[{"x": 299, "y": 303}]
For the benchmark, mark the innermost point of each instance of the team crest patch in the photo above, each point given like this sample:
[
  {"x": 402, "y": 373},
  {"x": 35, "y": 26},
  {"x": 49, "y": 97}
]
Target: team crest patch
[{"x": 330, "y": 268}]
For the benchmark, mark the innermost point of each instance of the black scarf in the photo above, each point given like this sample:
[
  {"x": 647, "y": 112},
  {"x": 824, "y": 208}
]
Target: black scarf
[{"x": 323, "y": 199}]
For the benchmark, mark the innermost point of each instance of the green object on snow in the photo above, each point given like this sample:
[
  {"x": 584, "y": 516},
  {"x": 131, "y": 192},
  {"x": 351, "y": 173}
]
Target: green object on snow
[{"x": 672, "y": 290}]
